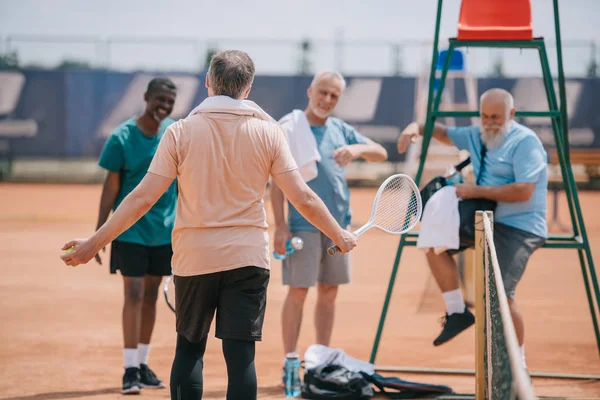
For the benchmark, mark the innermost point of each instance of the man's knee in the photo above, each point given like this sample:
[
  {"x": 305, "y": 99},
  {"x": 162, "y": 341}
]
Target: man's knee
[
  {"x": 434, "y": 259},
  {"x": 134, "y": 290},
  {"x": 297, "y": 295},
  {"x": 326, "y": 293},
  {"x": 151, "y": 286}
]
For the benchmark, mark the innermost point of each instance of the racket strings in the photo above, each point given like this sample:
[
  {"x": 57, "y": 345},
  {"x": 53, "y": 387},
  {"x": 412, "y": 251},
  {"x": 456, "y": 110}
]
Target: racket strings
[{"x": 397, "y": 208}]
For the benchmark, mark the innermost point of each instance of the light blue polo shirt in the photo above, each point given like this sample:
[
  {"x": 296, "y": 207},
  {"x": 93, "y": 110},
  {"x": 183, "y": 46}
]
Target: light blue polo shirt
[
  {"x": 519, "y": 158},
  {"x": 330, "y": 184}
]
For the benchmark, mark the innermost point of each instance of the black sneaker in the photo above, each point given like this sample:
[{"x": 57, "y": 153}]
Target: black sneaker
[
  {"x": 453, "y": 325},
  {"x": 131, "y": 381},
  {"x": 149, "y": 379}
]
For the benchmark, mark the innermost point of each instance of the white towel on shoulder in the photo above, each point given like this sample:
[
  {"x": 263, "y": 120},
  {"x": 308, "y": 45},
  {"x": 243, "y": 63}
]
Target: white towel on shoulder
[
  {"x": 228, "y": 104},
  {"x": 441, "y": 222},
  {"x": 302, "y": 143}
]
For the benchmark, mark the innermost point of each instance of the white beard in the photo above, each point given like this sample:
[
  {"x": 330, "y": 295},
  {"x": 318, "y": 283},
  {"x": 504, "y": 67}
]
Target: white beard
[
  {"x": 319, "y": 113},
  {"x": 493, "y": 137}
]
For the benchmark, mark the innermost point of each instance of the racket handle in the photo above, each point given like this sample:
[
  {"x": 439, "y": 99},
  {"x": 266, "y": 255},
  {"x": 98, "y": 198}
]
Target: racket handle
[{"x": 333, "y": 250}]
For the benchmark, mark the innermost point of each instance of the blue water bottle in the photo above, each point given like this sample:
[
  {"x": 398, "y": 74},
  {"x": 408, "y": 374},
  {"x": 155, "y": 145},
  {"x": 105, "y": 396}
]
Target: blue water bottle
[
  {"x": 291, "y": 246},
  {"x": 293, "y": 385}
]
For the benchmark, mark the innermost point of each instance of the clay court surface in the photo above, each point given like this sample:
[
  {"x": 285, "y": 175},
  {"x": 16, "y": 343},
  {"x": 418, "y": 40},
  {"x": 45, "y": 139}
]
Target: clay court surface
[{"x": 60, "y": 335}]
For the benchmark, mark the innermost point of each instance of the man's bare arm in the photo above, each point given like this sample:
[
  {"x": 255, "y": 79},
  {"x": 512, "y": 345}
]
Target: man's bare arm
[
  {"x": 110, "y": 191},
  {"x": 372, "y": 152},
  {"x": 511, "y": 192},
  {"x": 134, "y": 206},
  {"x": 313, "y": 209},
  {"x": 410, "y": 133},
  {"x": 278, "y": 204}
]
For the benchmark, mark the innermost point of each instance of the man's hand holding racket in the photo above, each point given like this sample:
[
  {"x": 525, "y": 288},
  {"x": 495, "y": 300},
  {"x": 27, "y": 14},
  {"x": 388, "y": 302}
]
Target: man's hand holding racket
[{"x": 346, "y": 241}]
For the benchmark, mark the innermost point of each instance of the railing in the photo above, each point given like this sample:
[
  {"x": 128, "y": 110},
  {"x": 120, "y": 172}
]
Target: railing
[{"x": 282, "y": 56}]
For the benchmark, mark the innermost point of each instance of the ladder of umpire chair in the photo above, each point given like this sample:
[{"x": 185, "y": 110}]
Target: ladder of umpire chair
[
  {"x": 440, "y": 156},
  {"x": 507, "y": 24}
]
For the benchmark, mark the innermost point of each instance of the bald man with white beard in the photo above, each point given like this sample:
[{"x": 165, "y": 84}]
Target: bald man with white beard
[{"x": 514, "y": 174}]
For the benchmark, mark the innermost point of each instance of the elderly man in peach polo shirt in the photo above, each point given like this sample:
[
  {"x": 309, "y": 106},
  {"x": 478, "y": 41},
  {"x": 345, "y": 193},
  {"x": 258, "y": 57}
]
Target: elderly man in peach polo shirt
[{"x": 222, "y": 155}]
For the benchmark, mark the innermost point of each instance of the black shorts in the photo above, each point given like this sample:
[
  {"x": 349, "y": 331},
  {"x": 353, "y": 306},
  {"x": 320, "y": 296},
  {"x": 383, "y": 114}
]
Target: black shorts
[
  {"x": 239, "y": 297},
  {"x": 136, "y": 260}
]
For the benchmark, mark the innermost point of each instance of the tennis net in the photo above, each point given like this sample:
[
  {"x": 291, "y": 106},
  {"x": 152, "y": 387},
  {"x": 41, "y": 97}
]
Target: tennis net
[{"x": 499, "y": 373}]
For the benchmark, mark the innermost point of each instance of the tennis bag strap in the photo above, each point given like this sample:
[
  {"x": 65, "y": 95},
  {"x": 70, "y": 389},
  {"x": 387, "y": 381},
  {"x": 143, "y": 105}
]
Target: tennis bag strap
[{"x": 405, "y": 389}]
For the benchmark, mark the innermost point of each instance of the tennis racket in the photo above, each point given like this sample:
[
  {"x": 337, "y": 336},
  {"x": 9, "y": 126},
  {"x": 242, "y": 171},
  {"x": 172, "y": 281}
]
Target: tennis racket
[
  {"x": 169, "y": 291},
  {"x": 396, "y": 209}
]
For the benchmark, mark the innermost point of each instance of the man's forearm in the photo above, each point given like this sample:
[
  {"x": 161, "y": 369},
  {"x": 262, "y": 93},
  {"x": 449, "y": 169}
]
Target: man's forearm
[
  {"x": 277, "y": 203},
  {"x": 103, "y": 214},
  {"x": 372, "y": 152},
  {"x": 110, "y": 191},
  {"x": 314, "y": 210},
  {"x": 439, "y": 132},
  {"x": 129, "y": 211},
  {"x": 512, "y": 192}
]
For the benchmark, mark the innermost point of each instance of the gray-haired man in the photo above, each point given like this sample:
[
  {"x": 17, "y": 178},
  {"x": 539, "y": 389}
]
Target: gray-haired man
[
  {"x": 338, "y": 144},
  {"x": 222, "y": 156}
]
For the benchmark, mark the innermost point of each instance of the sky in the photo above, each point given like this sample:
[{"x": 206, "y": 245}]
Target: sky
[{"x": 270, "y": 31}]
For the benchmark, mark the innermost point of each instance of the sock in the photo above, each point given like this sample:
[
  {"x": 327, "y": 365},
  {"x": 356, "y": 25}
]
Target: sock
[
  {"x": 454, "y": 302},
  {"x": 143, "y": 350},
  {"x": 130, "y": 358},
  {"x": 522, "y": 349},
  {"x": 291, "y": 355}
]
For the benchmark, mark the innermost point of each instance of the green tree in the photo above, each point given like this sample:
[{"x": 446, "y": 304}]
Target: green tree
[
  {"x": 498, "y": 68},
  {"x": 9, "y": 60},
  {"x": 72, "y": 63},
  {"x": 592, "y": 68},
  {"x": 304, "y": 64},
  {"x": 210, "y": 52}
]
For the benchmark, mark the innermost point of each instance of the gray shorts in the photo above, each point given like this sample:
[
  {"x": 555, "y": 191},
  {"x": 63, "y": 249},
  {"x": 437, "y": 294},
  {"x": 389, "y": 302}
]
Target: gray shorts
[
  {"x": 312, "y": 264},
  {"x": 513, "y": 248}
]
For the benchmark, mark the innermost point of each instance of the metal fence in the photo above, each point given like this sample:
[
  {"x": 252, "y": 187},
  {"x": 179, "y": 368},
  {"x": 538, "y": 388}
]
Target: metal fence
[{"x": 283, "y": 56}]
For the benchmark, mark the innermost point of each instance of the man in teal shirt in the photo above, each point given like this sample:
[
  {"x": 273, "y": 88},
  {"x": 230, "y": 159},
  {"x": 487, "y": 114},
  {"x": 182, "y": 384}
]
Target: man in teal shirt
[
  {"x": 143, "y": 252},
  {"x": 337, "y": 144}
]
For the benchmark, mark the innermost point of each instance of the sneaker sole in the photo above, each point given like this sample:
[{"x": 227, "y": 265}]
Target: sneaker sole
[
  {"x": 452, "y": 337},
  {"x": 132, "y": 390},
  {"x": 159, "y": 386}
]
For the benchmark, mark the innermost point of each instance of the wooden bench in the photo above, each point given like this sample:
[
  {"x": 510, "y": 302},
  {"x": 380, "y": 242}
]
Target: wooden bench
[{"x": 588, "y": 158}]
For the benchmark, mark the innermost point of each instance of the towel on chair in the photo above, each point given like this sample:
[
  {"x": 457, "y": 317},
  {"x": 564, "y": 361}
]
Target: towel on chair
[
  {"x": 440, "y": 222},
  {"x": 302, "y": 143}
]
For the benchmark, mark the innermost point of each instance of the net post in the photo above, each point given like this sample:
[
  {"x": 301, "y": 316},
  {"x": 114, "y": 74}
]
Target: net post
[
  {"x": 479, "y": 273},
  {"x": 468, "y": 276}
]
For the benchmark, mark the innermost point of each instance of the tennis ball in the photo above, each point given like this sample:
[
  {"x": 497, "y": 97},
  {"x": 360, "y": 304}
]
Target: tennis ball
[{"x": 70, "y": 250}]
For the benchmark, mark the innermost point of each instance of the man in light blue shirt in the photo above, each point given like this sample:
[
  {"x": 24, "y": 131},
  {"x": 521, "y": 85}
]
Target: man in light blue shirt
[
  {"x": 338, "y": 144},
  {"x": 513, "y": 172}
]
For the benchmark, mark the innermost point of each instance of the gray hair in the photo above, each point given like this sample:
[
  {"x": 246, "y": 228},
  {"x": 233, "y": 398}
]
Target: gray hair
[
  {"x": 230, "y": 73},
  {"x": 329, "y": 74},
  {"x": 498, "y": 94}
]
